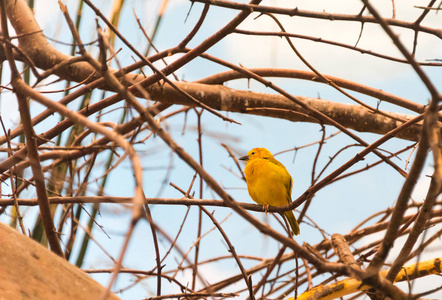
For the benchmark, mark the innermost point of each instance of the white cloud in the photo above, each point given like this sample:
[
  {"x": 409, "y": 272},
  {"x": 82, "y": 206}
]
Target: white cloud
[{"x": 257, "y": 51}]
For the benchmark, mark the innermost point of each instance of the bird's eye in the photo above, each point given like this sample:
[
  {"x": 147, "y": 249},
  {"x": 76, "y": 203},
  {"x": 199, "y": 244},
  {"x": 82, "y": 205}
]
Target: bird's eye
[{"x": 253, "y": 153}]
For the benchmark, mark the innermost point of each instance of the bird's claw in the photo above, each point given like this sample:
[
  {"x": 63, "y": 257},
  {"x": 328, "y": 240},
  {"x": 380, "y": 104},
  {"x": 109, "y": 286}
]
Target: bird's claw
[{"x": 266, "y": 208}]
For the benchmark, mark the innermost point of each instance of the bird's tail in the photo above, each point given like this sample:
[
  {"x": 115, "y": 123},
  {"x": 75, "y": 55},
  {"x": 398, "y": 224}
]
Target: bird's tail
[{"x": 292, "y": 221}]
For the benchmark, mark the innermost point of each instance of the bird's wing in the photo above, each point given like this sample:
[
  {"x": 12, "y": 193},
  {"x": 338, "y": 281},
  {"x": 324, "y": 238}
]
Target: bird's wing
[
  {"x": 289, "y": 189},
  {"x": 287, "y": 178}
]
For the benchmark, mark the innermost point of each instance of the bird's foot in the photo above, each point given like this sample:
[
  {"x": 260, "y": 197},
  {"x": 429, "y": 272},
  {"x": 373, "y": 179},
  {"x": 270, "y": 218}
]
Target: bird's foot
[{"x": 266, "y": 208}]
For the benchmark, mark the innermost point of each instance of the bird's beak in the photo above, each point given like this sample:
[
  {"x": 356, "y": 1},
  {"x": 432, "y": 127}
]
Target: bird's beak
[{"x": 246, "y": 158}]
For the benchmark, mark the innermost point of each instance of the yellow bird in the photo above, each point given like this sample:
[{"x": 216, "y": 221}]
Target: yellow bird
[{"x": 269, "y": 182}]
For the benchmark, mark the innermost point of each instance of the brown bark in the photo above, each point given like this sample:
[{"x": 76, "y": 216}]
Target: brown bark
[{"x": 30, "y": 271}]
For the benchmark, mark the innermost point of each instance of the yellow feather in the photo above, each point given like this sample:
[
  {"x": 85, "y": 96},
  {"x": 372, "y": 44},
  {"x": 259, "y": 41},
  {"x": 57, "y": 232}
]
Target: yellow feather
[{"x": 269, "y": 182}]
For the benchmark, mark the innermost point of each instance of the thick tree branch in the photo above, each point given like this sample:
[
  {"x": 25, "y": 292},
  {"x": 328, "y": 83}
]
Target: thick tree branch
[{"x": 353, "y": 117}]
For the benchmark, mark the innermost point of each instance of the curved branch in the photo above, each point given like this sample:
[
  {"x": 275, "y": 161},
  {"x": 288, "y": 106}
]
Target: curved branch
[
  {"x": 222, "y": 98},
  {"x": 220, "y": 78},
  {"x": 33, "y": 42}
]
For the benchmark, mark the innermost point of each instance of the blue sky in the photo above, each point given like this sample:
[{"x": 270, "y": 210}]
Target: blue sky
[{"x": 337, "y": 208}]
